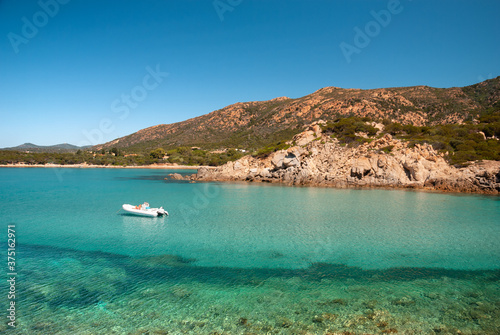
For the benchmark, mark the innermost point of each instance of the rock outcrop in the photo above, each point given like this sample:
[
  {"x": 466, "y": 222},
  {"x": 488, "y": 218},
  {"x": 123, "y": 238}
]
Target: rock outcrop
[
  {"x": 175, "y": 176},
  {"x": 384, "y": 162}
]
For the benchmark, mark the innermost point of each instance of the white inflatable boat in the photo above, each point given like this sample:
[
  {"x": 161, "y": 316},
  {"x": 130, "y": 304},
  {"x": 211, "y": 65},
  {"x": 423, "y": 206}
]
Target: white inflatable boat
[{"x": 144, "y": 210}]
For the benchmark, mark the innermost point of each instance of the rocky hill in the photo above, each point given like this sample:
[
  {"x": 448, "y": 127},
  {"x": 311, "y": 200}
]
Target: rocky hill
[
  {"x": 250, "y": 125},
  {"x": 64, "y": 147},
  {"x": 319, "y": 160}
]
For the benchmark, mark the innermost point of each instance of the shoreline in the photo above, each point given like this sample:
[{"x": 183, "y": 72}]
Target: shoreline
[
  {"x": 327, "y": 163},
  {"x": 338, "y": 185},
  {"x": 90, "y": 166},
  {"x": 348, "y": 186},
  {"x": 458, "y": 187}
]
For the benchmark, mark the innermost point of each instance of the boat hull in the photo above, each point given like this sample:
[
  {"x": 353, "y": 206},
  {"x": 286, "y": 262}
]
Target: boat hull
[{"x": 152, "y": 212}]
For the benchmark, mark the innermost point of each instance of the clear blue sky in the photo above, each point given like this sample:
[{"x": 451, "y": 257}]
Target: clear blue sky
[{"x": 83, "y": 69}]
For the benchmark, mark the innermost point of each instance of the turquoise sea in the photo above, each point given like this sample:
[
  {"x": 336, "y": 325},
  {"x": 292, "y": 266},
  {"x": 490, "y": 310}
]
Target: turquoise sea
[{"x": 236, "y": 258}]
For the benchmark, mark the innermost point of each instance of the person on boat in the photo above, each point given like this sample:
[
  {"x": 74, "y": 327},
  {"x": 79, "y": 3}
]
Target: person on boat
[{"x": 145, "y": 205}]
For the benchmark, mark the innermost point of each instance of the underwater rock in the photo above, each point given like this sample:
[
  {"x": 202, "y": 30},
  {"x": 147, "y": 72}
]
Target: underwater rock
[
  {"x": 431, "y": 295},
  {"x": 46, "y": 327},
  {"x": 266, "y": 329},
  {"x": 150, "y": 292},
  {"x": 275, "y": 255},
  {"x": 404, "y": 301},
  {"x": 317, "y": 319},
  {"x": 145, "y": 331},
  {"x": 371, "y": 304},
  {"x": 242, "y": 321},
  {"x": 472, "y": 295},
  {"x": 382, "y": 324},
  {"x": 284, "y": 323},
  {"x": 329, "y": 316},
  {"x": 165, "y": 260},
  {"x": 440, "y": 329},
  {"x": 333, "y": 302},
  {"x": 467, "y": 300},
  {"x": 192, "y": 324},
  {"x": 180, "y": 293},
  {"x": 476, "y": 315},
  {"x": 74, "y": 297}
]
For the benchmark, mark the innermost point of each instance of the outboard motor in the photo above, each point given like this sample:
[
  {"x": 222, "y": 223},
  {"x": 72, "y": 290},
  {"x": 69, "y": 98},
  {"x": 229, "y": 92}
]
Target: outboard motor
[{"x": 161, "y": 211}]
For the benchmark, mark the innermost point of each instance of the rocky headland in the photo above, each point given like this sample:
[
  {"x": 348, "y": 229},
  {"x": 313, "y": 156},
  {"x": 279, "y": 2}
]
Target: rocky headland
[{"x": 316, "y": 159}]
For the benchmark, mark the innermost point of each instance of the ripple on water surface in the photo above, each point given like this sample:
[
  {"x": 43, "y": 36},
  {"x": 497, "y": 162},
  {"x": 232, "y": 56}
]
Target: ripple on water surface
[
  {"x": 247, "y": 259},
  {"x": 66, "y": 291}
]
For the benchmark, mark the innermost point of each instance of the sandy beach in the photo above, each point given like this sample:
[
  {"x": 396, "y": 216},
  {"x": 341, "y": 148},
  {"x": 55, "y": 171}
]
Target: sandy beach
[{"x": 88, "y": 166}]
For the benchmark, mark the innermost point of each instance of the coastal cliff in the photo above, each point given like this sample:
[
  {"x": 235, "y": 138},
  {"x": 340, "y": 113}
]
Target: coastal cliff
[{"x": 316, "y": 159}]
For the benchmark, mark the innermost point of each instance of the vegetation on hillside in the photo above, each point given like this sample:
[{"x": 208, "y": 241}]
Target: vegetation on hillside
[
  {"x": 460, "y": 122},
  {"x": 350, "y": 129},
  {"x": 460, "y": 142},
  {"x": 241, "y": 140},
  {"x": 254, "y": 125},
  {"x": 115, "y": 157},
  {"x": 195, "y": 156},
  {"x": 79, "y": 157},
  {"x": 270, "y": 148}
]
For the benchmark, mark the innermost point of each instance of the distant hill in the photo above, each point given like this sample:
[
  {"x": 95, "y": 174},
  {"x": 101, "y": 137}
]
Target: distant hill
[
  {"x": 255, "y": 124},
  {"x": 64, "y": 147}
]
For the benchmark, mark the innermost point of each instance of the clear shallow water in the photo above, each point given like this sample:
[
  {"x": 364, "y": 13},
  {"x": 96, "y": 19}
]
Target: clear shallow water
[{"x": 239, "y": 258}]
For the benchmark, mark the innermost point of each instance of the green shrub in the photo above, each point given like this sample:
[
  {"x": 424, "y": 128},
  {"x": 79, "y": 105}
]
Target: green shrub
[
  {"x": 345, "y": 129},
  {"x": 157, "y": 153},
  {"x": 387, "y": 149},
  {"x": 267, "y": 150}
]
